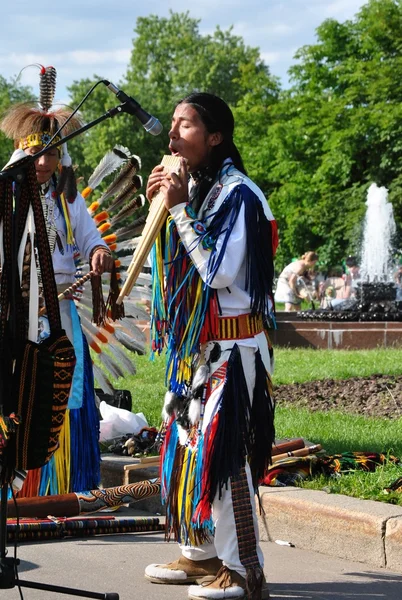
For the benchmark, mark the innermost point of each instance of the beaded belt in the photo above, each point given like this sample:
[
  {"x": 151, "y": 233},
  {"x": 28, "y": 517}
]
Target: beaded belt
[{"x": 239, "y": 328}]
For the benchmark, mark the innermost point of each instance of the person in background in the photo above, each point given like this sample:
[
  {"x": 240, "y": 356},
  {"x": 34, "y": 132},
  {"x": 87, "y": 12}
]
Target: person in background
[
  {"x": 291, "y": 287},
  {"x": 352, "y": 276},
  {"x": 212, "y": 301},
  {"x": 333, "y": 290},
  {"x": 398, "y": 281}
]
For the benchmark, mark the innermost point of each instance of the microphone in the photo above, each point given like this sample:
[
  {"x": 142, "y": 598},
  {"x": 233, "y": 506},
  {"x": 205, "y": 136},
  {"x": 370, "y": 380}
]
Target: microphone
[{"x": 150, "y": 123}]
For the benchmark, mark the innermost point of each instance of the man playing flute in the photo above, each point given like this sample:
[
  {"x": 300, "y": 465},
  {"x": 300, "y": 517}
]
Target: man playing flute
[{"x": 212, "y": 300}]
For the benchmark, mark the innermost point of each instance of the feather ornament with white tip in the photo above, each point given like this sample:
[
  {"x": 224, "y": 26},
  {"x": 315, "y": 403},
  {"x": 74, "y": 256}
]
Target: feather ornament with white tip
[
  {"x": 128, "y": 210},
  {"x": 125, "y": 175},
  {"x": 130, "y": 326},
  {"x": 109, "y": 163},
  {"x": 127, "y": 245},
  {"x": 127, "y": 192},
  {"x": 47, "y": 87},
  {"x": 102, "y": 380},
  {"x": 130, "y": 230},
  {"x": 134, "y": 311},
  {"x": 106, "y": 361},
  {"x": 105, "y": 337},
  {"x": 129, "y": 343}
]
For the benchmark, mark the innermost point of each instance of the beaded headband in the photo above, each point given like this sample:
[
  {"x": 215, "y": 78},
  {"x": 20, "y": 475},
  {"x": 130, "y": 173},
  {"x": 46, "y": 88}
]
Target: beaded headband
[{"x": 40, "y": 138}]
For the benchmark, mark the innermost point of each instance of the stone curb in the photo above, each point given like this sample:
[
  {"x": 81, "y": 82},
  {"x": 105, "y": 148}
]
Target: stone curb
[{"x": 358, "y": 530}]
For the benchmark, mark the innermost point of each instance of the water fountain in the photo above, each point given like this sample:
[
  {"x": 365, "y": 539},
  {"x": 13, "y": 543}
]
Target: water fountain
[{"x": 372, "y": 316}]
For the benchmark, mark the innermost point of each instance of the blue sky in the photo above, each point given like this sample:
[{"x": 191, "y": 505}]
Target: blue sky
[{"x": 84, "y": 37}]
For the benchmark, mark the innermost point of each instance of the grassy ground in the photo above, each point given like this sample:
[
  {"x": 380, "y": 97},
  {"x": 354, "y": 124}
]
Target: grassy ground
[
  {"x": 336, "y": 432},
  {"x": 297, "y": 365}
]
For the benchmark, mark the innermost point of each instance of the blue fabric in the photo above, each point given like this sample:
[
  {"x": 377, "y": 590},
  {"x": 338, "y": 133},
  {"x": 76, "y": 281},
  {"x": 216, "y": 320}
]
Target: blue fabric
[
  {"x": 77, "y": 387},
  {"x": 84, "y": 433},
  {"x": 48, "y": 480}
]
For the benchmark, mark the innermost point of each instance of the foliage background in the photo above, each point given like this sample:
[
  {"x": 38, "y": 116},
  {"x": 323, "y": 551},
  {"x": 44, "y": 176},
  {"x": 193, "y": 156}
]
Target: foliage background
[{"x": 314, "y": 148}]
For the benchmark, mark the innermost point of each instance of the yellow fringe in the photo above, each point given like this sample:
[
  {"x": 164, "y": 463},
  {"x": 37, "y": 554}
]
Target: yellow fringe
[
  {"x": 70, "y": 235},
  {"x": 62, "y": 457},
  {"x": 185, "y": 494},
  {"x": 189, "y": 499}
]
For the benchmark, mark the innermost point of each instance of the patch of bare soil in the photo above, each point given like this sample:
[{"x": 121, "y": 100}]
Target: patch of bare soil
[{"x": 374, "y": 396}]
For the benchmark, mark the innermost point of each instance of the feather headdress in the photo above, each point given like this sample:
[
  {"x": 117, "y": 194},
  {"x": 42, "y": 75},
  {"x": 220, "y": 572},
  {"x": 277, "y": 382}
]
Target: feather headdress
[
  {"x": 34, "y": 124},
  {"x": 25, "y": 119}
]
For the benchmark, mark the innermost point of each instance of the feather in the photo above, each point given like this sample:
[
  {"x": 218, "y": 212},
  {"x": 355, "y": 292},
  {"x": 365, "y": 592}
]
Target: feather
[
  {"x": 126, "y": 173},
  {"x": 129, "y": 326},
  {"x": 118, "y": 353},
  {"x": 102, "y": 380},
  {"x": 127, "y": 245},
  {"x": 92, "y": 329},
  {"x": 108, "y": 363},
  {"x": 128, "y": 210},
  {"x": 129, "y": 343},
  {"x": 130, "y": 230},
  {"x": 47, "y": 87},
  {"x": 107, "y": 334},
  {"x": 109, "y": 163},
  {"x": 141, "y": 294},
  {"x": 131, "y": 188},
  {"x": 108, "y": 339},
  {"x": 144, "y": 279},
  {"x": 134, "y": 311}
]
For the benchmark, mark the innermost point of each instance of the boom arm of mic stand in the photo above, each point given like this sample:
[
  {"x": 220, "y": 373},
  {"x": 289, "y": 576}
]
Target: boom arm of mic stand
[{"x": 13, "y": 170}]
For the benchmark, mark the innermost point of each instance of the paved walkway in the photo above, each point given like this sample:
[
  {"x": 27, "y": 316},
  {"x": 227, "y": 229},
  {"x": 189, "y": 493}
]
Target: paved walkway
[{"x": 116, "y": 563}]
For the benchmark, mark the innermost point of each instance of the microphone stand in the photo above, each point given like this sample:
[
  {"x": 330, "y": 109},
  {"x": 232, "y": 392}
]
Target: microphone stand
[{"x": 8, "y": 565}]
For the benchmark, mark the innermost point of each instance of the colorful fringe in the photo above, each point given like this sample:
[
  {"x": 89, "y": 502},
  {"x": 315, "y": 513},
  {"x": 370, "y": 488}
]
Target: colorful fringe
[
  {"x": 192, "y": 475},
  {"x": 181, "y": 474},
  {"x": 185, "y": 308},
  {"x": 179, "y": 310}
]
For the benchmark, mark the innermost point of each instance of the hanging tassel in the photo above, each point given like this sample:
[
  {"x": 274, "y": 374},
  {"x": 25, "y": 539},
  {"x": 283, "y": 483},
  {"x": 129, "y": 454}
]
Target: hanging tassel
[
  {"x": 70, "y": 184},
  {"x": 254, "y": 583},
  {"x": 114, "y": 311},
  {"x": 98, "y": 303}
]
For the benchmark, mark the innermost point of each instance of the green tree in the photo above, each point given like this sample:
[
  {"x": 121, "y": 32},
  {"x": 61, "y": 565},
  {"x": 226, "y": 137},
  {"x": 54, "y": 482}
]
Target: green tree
[
  {"x": 338, "y": 129},
  {"x": 170, "y": 58},
  {"x": 10, "y": 93}
]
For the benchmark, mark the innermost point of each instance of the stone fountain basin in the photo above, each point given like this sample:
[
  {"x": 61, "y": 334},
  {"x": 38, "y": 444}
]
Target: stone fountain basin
[{"x": 335, "y": 335}]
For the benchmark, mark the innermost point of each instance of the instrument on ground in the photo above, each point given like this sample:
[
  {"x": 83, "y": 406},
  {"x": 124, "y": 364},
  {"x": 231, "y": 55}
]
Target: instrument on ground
[
  {"x": 287, "y": 445},
  {"x": 156, "y": 218},
  {"x": 301, "y": 452},
  {"x": 81, "y": 503}
]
